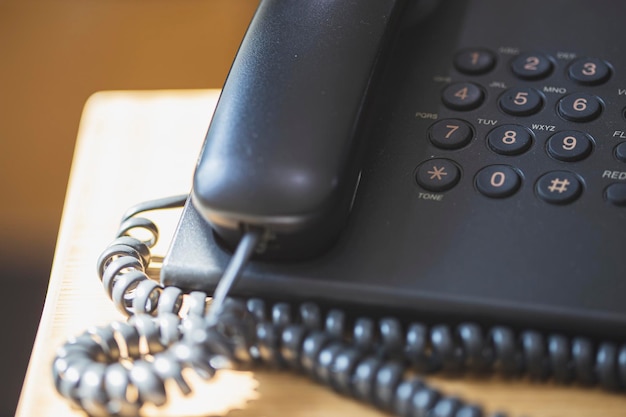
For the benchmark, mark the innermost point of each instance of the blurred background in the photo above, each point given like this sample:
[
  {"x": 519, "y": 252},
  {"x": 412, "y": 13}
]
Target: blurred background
[{"x": 53, "y": 56}]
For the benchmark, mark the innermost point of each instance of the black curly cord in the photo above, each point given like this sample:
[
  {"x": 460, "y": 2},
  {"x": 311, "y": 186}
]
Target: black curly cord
[{"x": 105, "y": 371}]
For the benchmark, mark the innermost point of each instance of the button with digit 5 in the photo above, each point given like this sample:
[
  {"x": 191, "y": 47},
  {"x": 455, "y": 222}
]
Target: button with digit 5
[{"x": 522, "y": 101}]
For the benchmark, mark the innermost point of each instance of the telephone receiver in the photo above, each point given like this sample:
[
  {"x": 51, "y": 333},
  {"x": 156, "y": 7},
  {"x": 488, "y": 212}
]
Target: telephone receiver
[{"x": 284, "y": 150}]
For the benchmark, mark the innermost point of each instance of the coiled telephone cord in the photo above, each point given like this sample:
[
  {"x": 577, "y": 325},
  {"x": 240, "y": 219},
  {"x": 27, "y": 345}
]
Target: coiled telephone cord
[{"x": 115, "y": 370}]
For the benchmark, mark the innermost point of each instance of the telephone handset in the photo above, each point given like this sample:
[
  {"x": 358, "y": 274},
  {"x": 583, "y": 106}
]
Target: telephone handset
[
  {"x": 461, "y": 168},
  {"x": 283, "y": 150}
]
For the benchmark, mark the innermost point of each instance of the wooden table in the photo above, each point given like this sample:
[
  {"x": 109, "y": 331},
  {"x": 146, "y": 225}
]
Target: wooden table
[{"x": 136, "y": 146}]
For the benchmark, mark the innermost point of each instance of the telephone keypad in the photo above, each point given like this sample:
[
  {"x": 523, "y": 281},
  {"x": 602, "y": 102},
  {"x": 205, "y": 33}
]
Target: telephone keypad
[{"x": 515, "y": 138}]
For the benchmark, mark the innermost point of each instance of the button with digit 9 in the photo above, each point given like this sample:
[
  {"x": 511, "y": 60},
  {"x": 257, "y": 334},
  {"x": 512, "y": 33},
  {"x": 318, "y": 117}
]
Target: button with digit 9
[{"x": 569, "y": 145}]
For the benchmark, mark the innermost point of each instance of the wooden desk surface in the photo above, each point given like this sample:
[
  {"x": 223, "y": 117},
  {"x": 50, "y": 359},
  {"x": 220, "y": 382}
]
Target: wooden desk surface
[{"x": 136, "y": 146}]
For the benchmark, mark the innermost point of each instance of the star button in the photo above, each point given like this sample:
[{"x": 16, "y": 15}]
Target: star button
[{"x": 437, "y": 174}]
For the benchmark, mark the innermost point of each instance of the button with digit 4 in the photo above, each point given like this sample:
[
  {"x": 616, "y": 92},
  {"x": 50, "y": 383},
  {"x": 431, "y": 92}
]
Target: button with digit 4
[
  {"x": 510, "y": 139},
  {"x": 498, "y": 181},
  {"x": 521, "y": 101},
  {"x": 580, "y": 107},
  {"x": 437, "y": 174},
  {"x": 590, "y": 71},
  {"x": 569, "y": 145},
  {"x": 559, "y": 187},
  {"x": 462, "y": 96},
  {"x": 450, "y": 133}
]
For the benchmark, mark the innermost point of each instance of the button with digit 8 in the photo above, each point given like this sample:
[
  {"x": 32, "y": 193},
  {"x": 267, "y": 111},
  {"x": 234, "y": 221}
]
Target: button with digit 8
[{"x": 510, "y": 139}]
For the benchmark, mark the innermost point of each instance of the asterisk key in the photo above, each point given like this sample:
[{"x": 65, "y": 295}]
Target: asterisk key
[{"x": 437, "y": 173}]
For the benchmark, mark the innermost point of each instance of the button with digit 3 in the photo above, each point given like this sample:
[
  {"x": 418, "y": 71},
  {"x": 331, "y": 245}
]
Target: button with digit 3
[
  {"x": 498, "y": 181},
  {"x": 437, "y": 174},
  {"x": 463, "y": 96},
  {"x": 450, "y": 133},
  {"x": 522, "y": 101},
  {"x": 559, "y": 187},
  {"x": 510, "y": 139},
  {"x": 590, "y": 71},
  {"x": 569, "y": 145}
]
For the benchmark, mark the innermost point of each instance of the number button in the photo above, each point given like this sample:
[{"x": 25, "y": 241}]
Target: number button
[
  {"x": 474, "y": 61},
  {"x": 462, "y": 96},
  {"x": 569, "y": 146},
  {"x": 559, "y": 187},
  {"x": 509, "y": 139},
  {"x": 580, "y": 107},
  {"x": 498, "y": 181},
  {"x": 531, "y": 66},
  {"x": 521, "y": 101},
  {"x": 590, "y": 71},
  {"x": 437, "y": 174},
  {"x": 450, "y": 134}
]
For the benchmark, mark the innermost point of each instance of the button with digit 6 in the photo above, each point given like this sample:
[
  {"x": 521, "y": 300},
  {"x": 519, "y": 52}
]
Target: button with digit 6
[{"x": 580, "y": 107}]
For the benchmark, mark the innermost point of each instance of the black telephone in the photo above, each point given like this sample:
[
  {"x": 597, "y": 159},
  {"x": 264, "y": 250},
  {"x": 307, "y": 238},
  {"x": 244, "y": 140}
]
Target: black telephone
[
  {"x": 479, "y": 148},
  {"x": 452, "y": 161}
]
